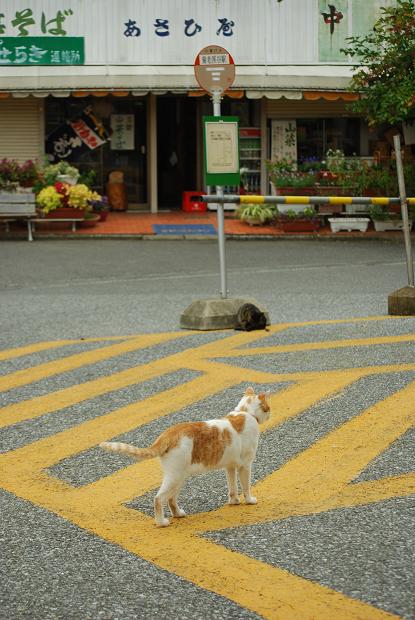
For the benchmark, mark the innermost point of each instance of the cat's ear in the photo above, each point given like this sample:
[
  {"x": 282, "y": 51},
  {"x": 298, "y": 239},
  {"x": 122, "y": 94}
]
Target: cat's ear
[
  {"x": 249, "y": 391},
  {"x": 264, "y": 395}
]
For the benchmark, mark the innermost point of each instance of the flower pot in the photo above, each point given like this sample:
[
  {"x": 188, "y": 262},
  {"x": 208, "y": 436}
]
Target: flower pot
[
  {"x": 254, "y": 221},
  {"x": 102, "y": 214},
  {"x": 67, "y": 178},
  {"x": 348, "y": 223},
  {"x": 63, "y": 213},
  {"x": 305, "y": 225},
  {"x": 90, "y": 221},
  {"x": 329, "y": 209},
  {"x": 333, "y": 190},
  {"x": 294, "y": 191},
  {"x": 383, "y": 225}
]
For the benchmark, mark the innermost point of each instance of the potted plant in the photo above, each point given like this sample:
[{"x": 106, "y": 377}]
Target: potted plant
[
  {"x": 62, "y": 200},
  {"x": 385, "y": 220},
  {"x": 100, "y": 207},
  {"x": 288, "y": 178},
  {"x": 256, "y": 214},
  {"x": 299, "y": 221},
  {"x": 337, "y": 174},
  {"x": 62, "y": 171},
  {"x": 16, "y": 177}
]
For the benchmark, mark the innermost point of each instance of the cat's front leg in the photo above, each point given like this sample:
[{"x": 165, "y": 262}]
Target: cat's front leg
[
  {"x": 233, "y": 498},
  {"x": 245, "y": 478}
]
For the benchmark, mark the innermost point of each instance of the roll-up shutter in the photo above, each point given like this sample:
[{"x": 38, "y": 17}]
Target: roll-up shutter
[
  {"x": 21, "y": 129},
  {"x": 287, "y": 108}
]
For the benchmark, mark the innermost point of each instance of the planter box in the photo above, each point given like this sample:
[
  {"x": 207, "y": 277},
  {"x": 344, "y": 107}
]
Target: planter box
[
  {"x": 63, "y": 213},
  {"x": 289, "y": 190},
  {"x": 300, "y": 225},
  {"x": 333, "y": 190},
  {"x": 382, "y": 225},
  {"x": 349, "y": 223}
]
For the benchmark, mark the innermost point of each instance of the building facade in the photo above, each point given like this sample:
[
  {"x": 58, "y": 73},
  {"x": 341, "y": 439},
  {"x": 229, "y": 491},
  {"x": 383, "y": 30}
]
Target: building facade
[{"x": 110, "y": 85}]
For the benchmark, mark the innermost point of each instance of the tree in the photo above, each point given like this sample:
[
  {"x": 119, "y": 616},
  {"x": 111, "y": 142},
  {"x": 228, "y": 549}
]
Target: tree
[{"x": 385, "y": 75}]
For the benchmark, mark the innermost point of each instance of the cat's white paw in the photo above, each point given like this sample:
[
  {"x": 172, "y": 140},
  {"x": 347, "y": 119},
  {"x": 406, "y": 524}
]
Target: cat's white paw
[
  {"x": 234, "y": 501},
  {"x": 251, "y": 500},
  {"x": 163, "y": 523},
  {"x": 180, "y": 513}
]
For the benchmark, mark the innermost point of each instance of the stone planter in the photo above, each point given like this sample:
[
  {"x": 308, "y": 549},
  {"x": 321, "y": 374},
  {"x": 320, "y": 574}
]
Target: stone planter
[
  {"x": 348, "y": 223},
  {"x": 383, "y": 225}
]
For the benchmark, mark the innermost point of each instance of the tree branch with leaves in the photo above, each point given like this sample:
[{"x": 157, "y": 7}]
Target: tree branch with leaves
[{"x": 385, "y": 74}]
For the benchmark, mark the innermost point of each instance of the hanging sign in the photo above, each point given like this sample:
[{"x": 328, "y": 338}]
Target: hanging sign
[
  {"x": 221, "y": 142},
  {"x": 214, "y": 69},
  {"x": 75, "y": 137}
]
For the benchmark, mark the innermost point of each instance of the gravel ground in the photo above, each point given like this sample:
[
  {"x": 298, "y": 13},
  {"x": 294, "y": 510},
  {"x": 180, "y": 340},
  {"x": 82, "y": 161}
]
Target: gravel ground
[{"x": 53, "y": 570}]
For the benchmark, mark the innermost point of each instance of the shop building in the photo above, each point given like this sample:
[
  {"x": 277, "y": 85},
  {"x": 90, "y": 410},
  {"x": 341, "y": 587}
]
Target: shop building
[{"x": 110, "y": 86}]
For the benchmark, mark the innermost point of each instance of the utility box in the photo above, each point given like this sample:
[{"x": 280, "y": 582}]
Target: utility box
[{"x": 191, "y": 201}]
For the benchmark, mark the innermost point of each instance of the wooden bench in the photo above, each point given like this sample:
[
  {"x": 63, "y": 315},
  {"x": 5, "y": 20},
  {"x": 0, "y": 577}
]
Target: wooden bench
[{"x": 15, "y": 206}]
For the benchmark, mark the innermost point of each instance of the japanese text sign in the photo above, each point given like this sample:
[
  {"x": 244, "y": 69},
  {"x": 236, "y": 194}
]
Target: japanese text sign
[
  {"x": 214, "y": 69},
  {"x": 221, "y": 141}
]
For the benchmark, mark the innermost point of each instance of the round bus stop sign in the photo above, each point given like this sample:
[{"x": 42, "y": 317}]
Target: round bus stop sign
[{"x": 214, "y": 69}]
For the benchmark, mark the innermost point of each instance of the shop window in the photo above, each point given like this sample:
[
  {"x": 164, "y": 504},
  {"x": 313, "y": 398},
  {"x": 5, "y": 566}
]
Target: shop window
[
  {"x": 130, "y": 158},
  {"x": 316, "y": 136}
]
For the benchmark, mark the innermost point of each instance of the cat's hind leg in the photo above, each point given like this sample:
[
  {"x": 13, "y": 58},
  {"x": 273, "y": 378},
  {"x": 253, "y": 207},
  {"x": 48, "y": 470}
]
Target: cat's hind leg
[
  {"x": 163, "y": 494},
  {"x": 233, "y": 498},
  {"x": 175, "y": 509},
  {"x": 245, "y": 478}
]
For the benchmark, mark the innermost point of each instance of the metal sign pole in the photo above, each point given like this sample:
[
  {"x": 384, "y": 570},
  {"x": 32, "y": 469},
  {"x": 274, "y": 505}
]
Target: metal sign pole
[
  {"x": 216, "y": 97},
  {"x": 404, "y": 209}
]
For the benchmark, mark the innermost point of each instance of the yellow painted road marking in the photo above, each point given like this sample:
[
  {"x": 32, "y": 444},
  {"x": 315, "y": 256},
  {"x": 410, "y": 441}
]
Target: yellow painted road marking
[
  {"x": 72, "y": 362},
  {"x": 317, "y": 479},
  {"x": 44, "y": 346}
]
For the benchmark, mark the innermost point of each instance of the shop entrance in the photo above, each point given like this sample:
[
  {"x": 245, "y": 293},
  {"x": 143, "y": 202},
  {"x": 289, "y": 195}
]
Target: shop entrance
[{"x": 176, "y": 149}]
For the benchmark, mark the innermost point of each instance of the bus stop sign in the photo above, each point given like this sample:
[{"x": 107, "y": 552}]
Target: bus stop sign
[{"x": 214, "y": 69}]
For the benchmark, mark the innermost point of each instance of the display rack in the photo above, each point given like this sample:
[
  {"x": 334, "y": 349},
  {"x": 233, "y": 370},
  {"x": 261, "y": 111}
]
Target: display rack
[{"x": 250, "y": 158}]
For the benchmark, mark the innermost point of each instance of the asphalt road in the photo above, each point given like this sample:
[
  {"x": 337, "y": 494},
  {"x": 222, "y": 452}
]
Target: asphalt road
[{"x": 91, "y": 351}]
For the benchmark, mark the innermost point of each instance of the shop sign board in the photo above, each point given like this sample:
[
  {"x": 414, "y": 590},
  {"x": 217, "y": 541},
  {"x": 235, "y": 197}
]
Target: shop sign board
[
  {"x": 221, "y": 147},
  {"x": 284, "y": 139},
  {"x": 214, "y": 69},
  {"x": 36, "y": 51},
  {"x": 122, "y": 132}
]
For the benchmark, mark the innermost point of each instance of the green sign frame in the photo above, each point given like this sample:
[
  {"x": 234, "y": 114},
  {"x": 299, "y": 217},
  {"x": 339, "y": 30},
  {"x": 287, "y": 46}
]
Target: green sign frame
[
  {"x": 221, "y": 150},
  {"x": 35, "y": 51}
]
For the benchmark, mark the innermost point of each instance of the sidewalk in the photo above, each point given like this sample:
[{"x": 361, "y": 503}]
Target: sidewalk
[{"x": 178, "y": 225}]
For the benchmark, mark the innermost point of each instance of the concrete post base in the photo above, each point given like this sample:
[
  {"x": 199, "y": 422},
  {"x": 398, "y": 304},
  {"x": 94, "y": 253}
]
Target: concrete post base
[
  {"x": 402, "y": 301},
  {"x": 206, "y": 314}
]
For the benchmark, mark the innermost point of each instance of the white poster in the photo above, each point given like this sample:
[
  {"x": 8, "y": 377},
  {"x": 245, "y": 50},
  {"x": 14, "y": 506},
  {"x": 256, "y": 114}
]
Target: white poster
[
  {"x": 222, "y": 147},
  {"x": 122, "y": 132},
  {"x": 284, "y": 140}
]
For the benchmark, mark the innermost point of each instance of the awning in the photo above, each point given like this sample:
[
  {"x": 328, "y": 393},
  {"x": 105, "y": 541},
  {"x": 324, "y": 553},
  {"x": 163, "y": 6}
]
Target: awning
[{"x": 257, "y": 81}]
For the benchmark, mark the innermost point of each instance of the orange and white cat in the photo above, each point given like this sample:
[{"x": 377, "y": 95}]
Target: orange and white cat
[{"x": 191, "y": 448}]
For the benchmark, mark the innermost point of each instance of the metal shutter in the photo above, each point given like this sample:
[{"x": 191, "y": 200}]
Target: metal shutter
[{"x": 21, "y": 129}]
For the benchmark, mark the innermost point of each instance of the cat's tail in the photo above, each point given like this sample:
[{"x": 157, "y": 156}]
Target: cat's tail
[{"x": 138, "y": 453}]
